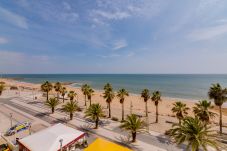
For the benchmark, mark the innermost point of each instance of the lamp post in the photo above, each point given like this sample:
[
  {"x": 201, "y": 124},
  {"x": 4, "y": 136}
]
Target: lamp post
[
  {"x": 11, "y": 120},
  {"x": 147, "y": 121},
  {"x": 30, "y": 129},
  {"x": 131, "y": 107},
  {"x": 61, "y": 140}
]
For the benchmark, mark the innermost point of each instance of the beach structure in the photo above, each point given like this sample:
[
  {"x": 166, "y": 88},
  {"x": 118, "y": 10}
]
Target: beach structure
[
  {"x": 55, "y": 138},
  {"x": 104, "y": 145}
]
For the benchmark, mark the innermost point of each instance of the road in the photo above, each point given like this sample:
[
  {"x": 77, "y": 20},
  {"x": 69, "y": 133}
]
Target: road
[{"x": 154, "y": 140}]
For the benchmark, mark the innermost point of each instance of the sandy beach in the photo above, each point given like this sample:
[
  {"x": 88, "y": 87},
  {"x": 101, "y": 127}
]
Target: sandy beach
[{"x": 166, "y": 117}]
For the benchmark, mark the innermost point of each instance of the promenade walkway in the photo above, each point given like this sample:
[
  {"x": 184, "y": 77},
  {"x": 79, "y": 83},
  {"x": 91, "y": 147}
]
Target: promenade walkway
[{"x": 109, "y": 129}]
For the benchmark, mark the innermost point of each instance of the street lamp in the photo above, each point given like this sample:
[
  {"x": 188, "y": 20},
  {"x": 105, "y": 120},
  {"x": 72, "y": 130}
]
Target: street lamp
[
  {"x": 131, "y": 106},
  {"x": 30, "y": 129},
  {"x": 61, "y": 140},
  {"x": 11, "y": 119}
]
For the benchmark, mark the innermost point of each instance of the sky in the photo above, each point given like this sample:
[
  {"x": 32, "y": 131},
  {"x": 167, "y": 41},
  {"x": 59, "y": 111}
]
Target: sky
[{"x": 113, "y": 36}]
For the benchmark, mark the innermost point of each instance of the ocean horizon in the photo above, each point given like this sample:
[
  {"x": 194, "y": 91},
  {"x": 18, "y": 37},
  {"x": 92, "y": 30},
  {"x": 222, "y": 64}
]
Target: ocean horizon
[{"x": 185, "y": 86}]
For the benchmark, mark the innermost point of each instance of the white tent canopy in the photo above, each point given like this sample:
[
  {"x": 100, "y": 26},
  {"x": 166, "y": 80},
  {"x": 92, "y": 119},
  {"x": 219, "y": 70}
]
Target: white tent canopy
[{"x": 49, "y": 139}]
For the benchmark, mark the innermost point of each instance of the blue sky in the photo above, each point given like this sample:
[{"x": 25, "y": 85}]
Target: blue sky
[{"x": 113, "y": 36}]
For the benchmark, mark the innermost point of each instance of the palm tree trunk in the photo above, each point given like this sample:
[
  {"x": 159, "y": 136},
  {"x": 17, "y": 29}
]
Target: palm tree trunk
[
  {"x": 123, "y": 112},
  {"x": 133, "y": 136},
  {"x": 220, "y": 119},
  {"x": 47, "y": 95},
  {"x": 96, "y": 123},
  {"x": 85, "y": 103},
  {"x": 146, "y": 109},
  {"x": 71, "y": 116},
  {"x": 52, "y": 110},
  {"x": 109, "y": 110},
  {"x": 90, "y": 101},
  {"x": 58, "y": 96},
  {"x": 156, "y": 113}
]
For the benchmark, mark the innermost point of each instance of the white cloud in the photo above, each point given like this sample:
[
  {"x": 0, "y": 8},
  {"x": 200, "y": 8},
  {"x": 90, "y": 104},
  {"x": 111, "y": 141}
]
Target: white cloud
[
  {"x": 119, "y": 44},
  {"x": 208, "y": 33},
  {"x": 3, "y": 40},
  {"x": 108, "y": 10},
  {"x": 13, "y": 18},
  {"x": 118, "y": 15},
  {"x": 138, "y": 8}
]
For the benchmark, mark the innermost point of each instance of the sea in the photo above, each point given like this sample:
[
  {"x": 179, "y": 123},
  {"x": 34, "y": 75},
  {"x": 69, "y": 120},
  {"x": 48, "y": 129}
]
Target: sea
[{"x": 185, "y": 86}]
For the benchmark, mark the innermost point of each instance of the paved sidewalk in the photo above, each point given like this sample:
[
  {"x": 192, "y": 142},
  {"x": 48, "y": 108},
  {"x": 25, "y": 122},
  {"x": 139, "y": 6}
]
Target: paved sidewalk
[{"x": 102, "y": 131}]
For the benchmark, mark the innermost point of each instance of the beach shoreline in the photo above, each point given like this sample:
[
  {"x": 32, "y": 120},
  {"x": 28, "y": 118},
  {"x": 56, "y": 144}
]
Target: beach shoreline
[{"x": 165, "y": 114}]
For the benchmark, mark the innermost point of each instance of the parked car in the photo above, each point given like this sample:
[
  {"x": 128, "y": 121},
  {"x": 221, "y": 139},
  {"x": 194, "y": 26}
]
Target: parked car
[
  {"x": 4, "y": 147},
  {"x": 18, "y": 127}
]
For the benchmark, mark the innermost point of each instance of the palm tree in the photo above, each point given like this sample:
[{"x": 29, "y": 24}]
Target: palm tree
[
  {"x": 1, "y": 88},
  {"x": 109, "y": 96},
  {"x": 47, "y": 87},
  {"x": 63, "y": 92},
  {"x": 133, "y": 124},
  {"x": 95, "y": 112},
  {"x": 156, "y": 98},
  {"x": 108, "y": 87},
  {"x": 217, "y": 93},
  {"x": 89, "y": 94},
  {"x": 180, "y": 109},
  {"x": 57, "y": 88},
  {"x": 121, "y": 94},
  {"x": 52, "y": 103},
  {"x": 146, "y": 96},
  {"x": 202, "y": 110},
  {"x": 85, "y": 88},
  {"x": 195, "y": 133},
  {"x": 70, "y": 107},
  {"x": 71, "y": 95}
]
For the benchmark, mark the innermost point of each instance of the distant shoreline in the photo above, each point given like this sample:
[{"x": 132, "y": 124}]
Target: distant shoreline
[{"x": 185, "y": 86}]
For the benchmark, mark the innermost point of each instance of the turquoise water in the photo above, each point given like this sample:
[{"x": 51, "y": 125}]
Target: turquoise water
[{"x": 171, "y": 85}]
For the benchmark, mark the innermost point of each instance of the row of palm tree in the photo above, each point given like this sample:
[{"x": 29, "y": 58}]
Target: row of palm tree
[{"x": 108, "y": 95}]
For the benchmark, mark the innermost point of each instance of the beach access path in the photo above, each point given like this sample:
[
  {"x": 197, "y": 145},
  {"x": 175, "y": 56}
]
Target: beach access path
[{"x": 152, "y": 141}]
